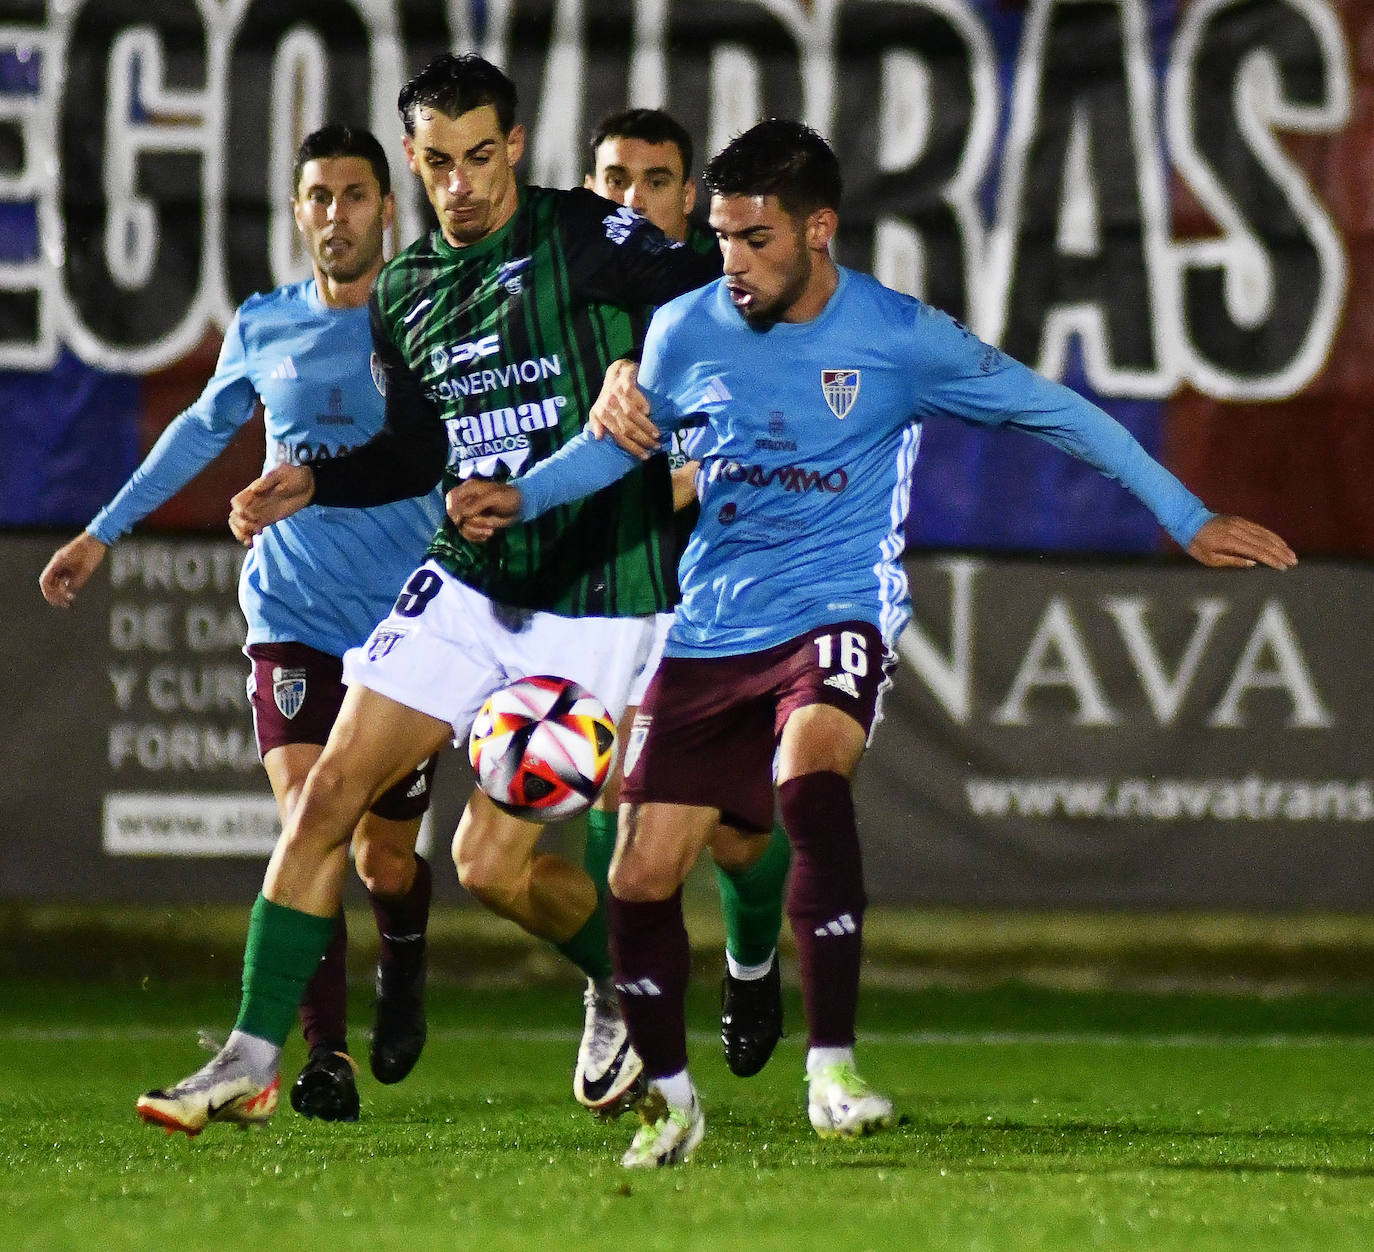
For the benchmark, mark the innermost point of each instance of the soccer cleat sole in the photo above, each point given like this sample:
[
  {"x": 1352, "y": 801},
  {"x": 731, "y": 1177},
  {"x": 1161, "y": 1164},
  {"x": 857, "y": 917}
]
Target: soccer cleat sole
[
  {"x": 626, "y": 1102},
  {"x": 859, "y": 1131}
]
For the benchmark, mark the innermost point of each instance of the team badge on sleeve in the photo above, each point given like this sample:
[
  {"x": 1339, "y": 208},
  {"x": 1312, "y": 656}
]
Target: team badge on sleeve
[
  {"x": 288, "y": 690},
  {"x": 841, "y": 389}
]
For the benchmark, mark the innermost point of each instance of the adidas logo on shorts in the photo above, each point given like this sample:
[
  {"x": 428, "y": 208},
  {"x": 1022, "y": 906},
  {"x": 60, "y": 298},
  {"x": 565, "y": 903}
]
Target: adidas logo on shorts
[{"x": 845, "y": 683}]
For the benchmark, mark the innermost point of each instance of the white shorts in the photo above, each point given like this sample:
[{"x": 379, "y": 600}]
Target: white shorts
[
  {"x": 444, "y": 648},
  {"x": 662, "y": 622}
]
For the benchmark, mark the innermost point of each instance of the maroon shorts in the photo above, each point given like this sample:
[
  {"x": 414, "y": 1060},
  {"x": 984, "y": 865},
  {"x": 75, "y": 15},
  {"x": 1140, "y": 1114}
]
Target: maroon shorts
[
  {"x": 709, "y": 727},
  {"x": 296, "y": 692}
]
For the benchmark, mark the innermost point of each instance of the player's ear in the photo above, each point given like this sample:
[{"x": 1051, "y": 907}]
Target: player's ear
[
  {"x": 515, "y": 144},
  {"x": 388, "y": 211},
  {"x": 689, "y": 194},
  {"x": 588, "y": 182},
  {"x": 409, "y": 145},
  {"x": 820, "y": 229}
]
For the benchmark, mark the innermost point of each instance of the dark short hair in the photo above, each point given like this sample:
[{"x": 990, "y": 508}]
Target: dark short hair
[
  {"x": 648, "y": 125},
  {"x": 337, "y": 141},
  {"x": 457, "y": 83},
  {"x": 778, "y": 158}
]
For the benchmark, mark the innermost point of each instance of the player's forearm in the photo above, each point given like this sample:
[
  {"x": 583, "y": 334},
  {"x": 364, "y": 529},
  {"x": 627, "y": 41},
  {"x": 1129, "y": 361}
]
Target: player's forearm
[
  {"x": 185, "y": 448},
  {"x": 581, "y": 467},
  {"x": 1086, "y": 432},
  {"x": 394, "y": 465}
]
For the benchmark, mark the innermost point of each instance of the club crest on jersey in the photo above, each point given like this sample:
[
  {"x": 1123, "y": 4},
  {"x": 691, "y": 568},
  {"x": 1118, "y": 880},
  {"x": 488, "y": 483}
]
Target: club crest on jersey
[
  {"x": 841, "y": 389},
  {"x": 509, "y": 275},
  {"x": 288, "y": 690}
]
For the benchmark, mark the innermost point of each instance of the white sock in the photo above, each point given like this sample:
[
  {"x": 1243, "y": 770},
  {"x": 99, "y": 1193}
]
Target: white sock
[
  {"x": 677, "y": 1089},
  {"x": 261, "y": 1057},
  {"x": 749, "y": 973},
  {"x": 819, "y": 1058}
]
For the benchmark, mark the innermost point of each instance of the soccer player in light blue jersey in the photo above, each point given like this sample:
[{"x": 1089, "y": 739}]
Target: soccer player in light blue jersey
[
  {"x": 802, "y": 387},
  {"x": 315, "y": 585},
  {"x": 643, "y": 158}
]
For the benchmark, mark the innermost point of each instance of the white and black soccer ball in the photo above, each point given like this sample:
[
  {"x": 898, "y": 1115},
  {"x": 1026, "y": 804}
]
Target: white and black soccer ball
[{"x": 542, "y": 748}]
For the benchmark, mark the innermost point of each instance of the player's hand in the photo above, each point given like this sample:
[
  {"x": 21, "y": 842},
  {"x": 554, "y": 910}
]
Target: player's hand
[
  {"x": 622, "y": 411},
  {"x": 1226, "y": 541},
  {"x": 68, "y": 569},
  {"x": 283, "y": 490},
  {"x": 685, "y": 485},
  {"x": 479, "y": 508}
]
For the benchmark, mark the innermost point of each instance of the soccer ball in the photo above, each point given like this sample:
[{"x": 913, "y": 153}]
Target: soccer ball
[{"x": 542, "y": 748}]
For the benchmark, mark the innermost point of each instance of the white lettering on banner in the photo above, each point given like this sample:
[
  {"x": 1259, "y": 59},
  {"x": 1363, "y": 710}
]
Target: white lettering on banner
[
  {"x": 1273, "y": 634},
  {"x": 1059, "y": 657},
  {"x": 1077, "y": 249},
  {"x": 124, "y": 681},
  {"x": 1164, "y": 694},
  {"x": 180, "y": 747},
  {"x": 174, "y": 688},
  {"x": 177, "y": 824},
  {"x": 1058, "y": 634},
  {"x": 152, "y": 566},
  {"x": 1248, "y": 799}
]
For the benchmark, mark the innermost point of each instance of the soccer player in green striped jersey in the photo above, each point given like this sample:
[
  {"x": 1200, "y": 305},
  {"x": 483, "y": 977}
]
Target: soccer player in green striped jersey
[{"x": 491, "y": 336}]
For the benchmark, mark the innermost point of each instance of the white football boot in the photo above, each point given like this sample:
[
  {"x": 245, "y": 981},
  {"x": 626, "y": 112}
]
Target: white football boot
[
  {"x": 222, "y": 1091},
  {"x": 840, "y": 1103},
  {"x": 609, "y": 1078},
  {"x": 668, "y": 1134}
]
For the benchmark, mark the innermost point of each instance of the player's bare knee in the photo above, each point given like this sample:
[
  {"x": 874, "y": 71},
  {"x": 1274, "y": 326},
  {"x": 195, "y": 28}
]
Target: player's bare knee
[
  {"x": 735, "y": 852},
  {"x": 383, "y": 871},
  {"x": 641, "y": 878},
  {"x": 493, "y": 880}
]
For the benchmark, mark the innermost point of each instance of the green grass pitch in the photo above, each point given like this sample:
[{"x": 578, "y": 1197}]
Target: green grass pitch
[{"x": 1032, "y": 1119}]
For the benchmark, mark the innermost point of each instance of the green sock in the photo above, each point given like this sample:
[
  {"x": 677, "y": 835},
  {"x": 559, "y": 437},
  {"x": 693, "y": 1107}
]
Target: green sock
[
  {"x": 752, "y": 903},
  {"x": 596, "y": 856},
  {"x": 282, "y": 953},
  {"x": 590, "y": 948}
]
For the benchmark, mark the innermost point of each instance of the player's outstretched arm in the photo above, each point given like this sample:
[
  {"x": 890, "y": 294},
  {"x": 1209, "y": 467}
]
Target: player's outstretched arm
[
  {"x": 282, "y": 491},
  {"x": 1226, "y": 541},
  {"x": 479, "y": 508},
  {"x": 622, "y": 411},
  {"x": 69, "y": 568}
]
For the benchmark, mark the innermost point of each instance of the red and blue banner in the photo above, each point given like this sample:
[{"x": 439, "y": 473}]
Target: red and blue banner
[{"x": 1168, "y": 207}]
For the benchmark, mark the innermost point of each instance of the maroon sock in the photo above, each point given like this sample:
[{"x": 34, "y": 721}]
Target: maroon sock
[
  {"x": 403, "y": 919},
  {"x": 825, "y": 902},
  {"x": 324, "y": 1011},
  {"x": 652, "y": 959}
]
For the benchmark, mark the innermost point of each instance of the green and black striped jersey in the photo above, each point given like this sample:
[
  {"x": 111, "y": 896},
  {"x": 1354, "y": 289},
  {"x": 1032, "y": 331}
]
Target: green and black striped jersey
[{"x": 494, "y": 352}]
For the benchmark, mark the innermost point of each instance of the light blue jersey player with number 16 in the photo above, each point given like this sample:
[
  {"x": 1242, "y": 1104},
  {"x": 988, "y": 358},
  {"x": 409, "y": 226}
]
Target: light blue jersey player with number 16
[{"x": 802, "y": 387}]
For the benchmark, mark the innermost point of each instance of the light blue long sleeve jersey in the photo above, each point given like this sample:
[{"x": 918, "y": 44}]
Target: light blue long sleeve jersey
[
  {"x": 325, "y": 576},
  {"x": 807, "y": 447}
]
